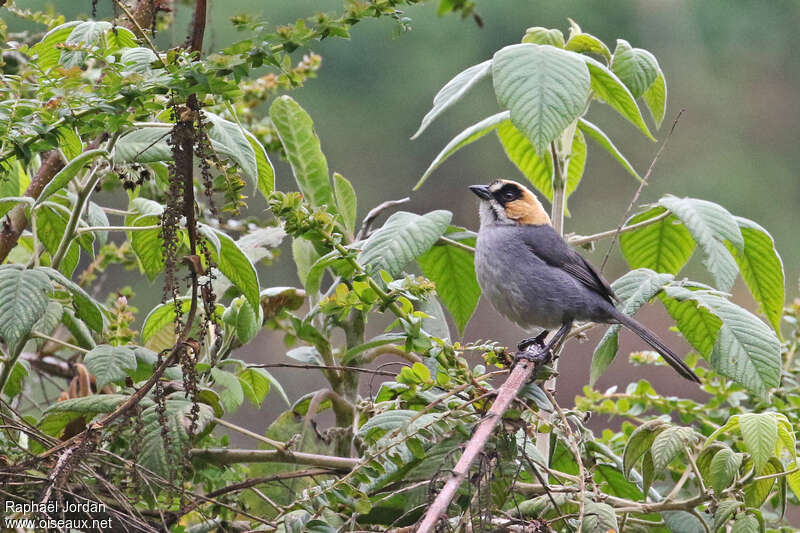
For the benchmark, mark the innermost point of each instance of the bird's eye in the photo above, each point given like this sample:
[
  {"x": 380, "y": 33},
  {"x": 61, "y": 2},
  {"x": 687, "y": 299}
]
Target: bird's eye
[{"x": 508, "y": 196}]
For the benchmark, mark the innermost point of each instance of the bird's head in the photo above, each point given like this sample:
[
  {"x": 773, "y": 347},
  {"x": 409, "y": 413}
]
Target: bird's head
[{"x": 508, "y": 202}]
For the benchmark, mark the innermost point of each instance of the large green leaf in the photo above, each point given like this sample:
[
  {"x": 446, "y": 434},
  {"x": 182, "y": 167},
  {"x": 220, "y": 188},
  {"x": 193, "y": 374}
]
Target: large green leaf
[
  {"x": 301, "y": 144},
  {"x": 746, "y": 349},
  {"x": 610, "y": 89},
  {"x": 138, "y": 59},
  {"x": 144, "y": 145},
  {"x": 723, "y": 468},
  {"x": 346, "y": 201},
  {"x": 760, "y": 434},
  {"x": 663, "y": 246},
  {"x": 452, "y": 269},
  {"x": 16, "y": 378},
  {"x": 266, "y": 172},
  {"x": 69, "y": 142},
  {"x": 544, "y": 87},
  {"x": 234, "y": 263},
  {"x": 696, "y": 322},
  {"x": 640, "y": 442},
  {"x": 539, "y": 35},
  {"x": 87, "y": 308},
  {"x": 51, "y": 223},
  {"x": 762, "y": 269},
  {"x": 453, "y": 91},
  {"x": 599, "y": 518},
  {"x": 757, "y": 492},
  {"x": 148, "y": 245},
  {"x": 45, "y": 52},
  {"x": 585, "y": 42},
  {"x": 602, "y": 139},
  {"x": 230, "y": 139},
  {"x": 637, "y": 68},
  {"x": 538, "y": 170},
  {"x": 85, "y": 33},
  {"x": 655, "y": 98},
  {"x": 469, "y": 135},
  {"x": 634, "y": 289},
  {"x": 710, "y": 224},
  {"x": 109, "y": 364},
  {"x": 160, "y": 456},
  {"x": 23, "y": 301},
  {"x": 404, "y": 237}
]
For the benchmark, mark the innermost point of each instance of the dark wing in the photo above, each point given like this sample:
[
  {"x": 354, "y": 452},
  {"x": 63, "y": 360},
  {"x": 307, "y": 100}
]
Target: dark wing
[{"x": 551, "y": 248}]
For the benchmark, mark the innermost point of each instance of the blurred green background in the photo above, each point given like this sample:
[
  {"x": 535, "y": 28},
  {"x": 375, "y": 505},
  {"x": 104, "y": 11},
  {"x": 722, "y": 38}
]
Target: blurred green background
[{"x": 731, "y": 66}]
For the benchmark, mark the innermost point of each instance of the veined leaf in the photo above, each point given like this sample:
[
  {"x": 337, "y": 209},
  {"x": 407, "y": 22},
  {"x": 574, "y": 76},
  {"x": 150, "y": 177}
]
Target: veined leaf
[
  {"x": 610, "y": 89},
  {"x": 232, "y": 394},
  {"x": 538, "y": 170},
  {"x": 723, "y": 468},
  {"x": 452, "y": 269},
  {"x": 725, "y": 510},
  {"x": 65, "y": 175},
  {"x": 110, "y": 363},
  {"x": 69, "y": 142},
  {"x": 87, "y": 308},
  {"x": 16, "y": 378},
  {"x": 302, "y": 146},
  {"x": 144, "y": 145},
  {"x": 757, "y": 492},
  {"x": 45, "y": 52},
  {"x": 138, "y": 59},
  {"x": 634, "y": 290},
  {"x": 663, "y": 246},
  {"x": 746, "y": 524},
  {"x": 545, "y": 89},
  {"x": 637, "y": 68},
  {"x": 453, "y": 91},
  {"x": 599, "y": 518},
  {"x": 469, "y": 135},
  {"x": 640, "y": 442},
  {"x": 24, "y": 296},
  {"x": 760, "y": 434},
  {"x": 668, "y": 444},
  {"x": 346, "y": 201},
  {"x": 404, "y": 237},
  {"x": 602, "y": 139},
  {"x": 148, "y": 245},
  {"x": 230, "y": 139},
  {"x": 85, "y": 33},
  {"x": 237, "y": 267},
  {"x": 155, "y": 454},
  {"x": 762, "y": 269},
  {"x": 710, "y": 224},
  {"x": 583, "y": 43},
  {"x": 696, "y": 322},
  {"x": 539, "y": 35},
  {"x": 655, "y": 98}
]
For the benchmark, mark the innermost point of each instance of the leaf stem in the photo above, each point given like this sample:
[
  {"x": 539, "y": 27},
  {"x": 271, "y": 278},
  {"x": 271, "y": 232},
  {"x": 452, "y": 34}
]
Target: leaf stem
[{"x": 580, "y": 240}]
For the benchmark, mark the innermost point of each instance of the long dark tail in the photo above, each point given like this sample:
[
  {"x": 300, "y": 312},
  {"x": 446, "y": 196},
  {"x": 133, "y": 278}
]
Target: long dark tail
[{"x": 652, "y": 339}]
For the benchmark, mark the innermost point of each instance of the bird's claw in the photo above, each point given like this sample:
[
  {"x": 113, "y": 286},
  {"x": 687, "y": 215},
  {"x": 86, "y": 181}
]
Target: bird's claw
[
  {"x": 538, "y": 340},
  {"x": 535, "y": 352}
]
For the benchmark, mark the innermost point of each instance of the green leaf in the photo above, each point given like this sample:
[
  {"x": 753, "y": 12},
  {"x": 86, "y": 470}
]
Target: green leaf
[
  {"x": 794, "y": 478},
  {"x": 404, "y": 237},
  {"x": 634, "y": 289},
  {"x": 710, "y": 224},
  {"x": 87, "y": 308},
  {"x": 746, "y": 524},
  {"x": 145, "y": 145},
  {"x": 248, "y": 323},
  {"x": 648, "y": 471},
  {"x": 309, "y": 166},
  {"x": 637, "y": 68},
  {"x": 237, "y": 267},
  {"x": 65, "y": 175},
  {"x": 45, "y": 52},
  {"x": 230, "y": 139},
  {"x": 85, "y": 33},
  {"x": 160, "y": 456},
  {"x": 599, "y": 518},
  {"x": 544, "y": 88},
  {"x": 453, "y": 91},
  {"x": 663, "y": 246},
  {"x": 762, "y": 269},
  {"x": 760, "y": 434},
  {"x": 58, "y": 415},
  {"x": 615, "y": 483},
  {"x": 118, "y": 38},
  {"x": 757, "y": 492},
  {"x": 110, "y": 364},
  {"x": 23, "y": 300},
  {"x": 583, "y": 43},
  {"x": 435, "y": 323},
  {"x": 610, "y": 89},
  {"x": 539, "y": 35},
  {"x": 602, "y": 139},
  {"x": 148, "y": 245},
  {"x": 232, "y": 394},
  {"x": 138, "y": 59},
  {"x": 346, "y": 201},
  {"x": 305, "y": 256},
  {"x": 520, "y": 151},
  {"x": 723, "y": 468},
  {"x": 51, "y": 223},
  {"x": 746, "y": 350},
  {"x": 453, "y": 271},
  {"x": 725, "y": 510},
  {"x": 256, "y": 383},
  {"x": 69, "y": 142},
  {"x": 468, "y": 136},
  {"x": 639, "y": 443},
  {"x": 668, "y": 444},
  {"x": 698, "y": 325},
  {"x": 16, "y": 377},
  {"x": 683, "y": 522},
  {"x": 655, "y": 98}
]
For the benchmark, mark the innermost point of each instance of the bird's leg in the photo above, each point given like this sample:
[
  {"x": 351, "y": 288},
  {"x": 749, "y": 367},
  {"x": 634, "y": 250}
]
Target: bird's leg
[
  {"x": 544, "y": 353},
  {"x": 524, "y": 344}
]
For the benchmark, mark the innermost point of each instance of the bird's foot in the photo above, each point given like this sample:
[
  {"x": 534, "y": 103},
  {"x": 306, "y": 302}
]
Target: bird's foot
[
  {"x": 536, "y": 352},
  {"x": 538, "y": 340}
]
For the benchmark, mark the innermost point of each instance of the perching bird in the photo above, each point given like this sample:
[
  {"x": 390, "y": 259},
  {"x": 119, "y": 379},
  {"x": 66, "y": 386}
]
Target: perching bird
[{"x": 533, "y": 278}]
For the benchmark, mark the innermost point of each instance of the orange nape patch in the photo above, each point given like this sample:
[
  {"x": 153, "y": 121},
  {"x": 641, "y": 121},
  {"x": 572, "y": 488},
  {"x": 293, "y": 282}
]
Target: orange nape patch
[{"x": 527, "y": 210}]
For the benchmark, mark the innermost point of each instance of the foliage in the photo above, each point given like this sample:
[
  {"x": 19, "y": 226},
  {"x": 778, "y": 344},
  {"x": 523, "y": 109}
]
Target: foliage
[{"x": 93, "y": 409}]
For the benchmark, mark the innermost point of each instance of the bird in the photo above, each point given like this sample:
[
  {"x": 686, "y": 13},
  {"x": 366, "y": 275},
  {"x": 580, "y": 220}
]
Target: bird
[{"x": 532, "y": 276}]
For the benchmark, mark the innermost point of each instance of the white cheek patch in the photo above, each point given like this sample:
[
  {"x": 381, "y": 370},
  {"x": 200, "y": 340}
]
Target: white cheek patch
[{"x": 499, "y": 212}]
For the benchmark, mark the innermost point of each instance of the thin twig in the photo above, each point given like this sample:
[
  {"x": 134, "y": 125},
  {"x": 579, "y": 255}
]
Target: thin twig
[
  {"x": 244, "y": 431},
  {"x": 639, "y": 189},
  {"x": 366, "y": 225},
  {"x": 326, "y": 367},
  {"x": 580, "y": 240},
  {"x": 65, "y": 344}
]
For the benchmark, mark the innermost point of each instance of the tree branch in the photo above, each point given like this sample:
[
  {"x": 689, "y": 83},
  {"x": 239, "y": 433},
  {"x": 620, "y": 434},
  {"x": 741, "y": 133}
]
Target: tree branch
[{"x": 226, "y": 456}]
